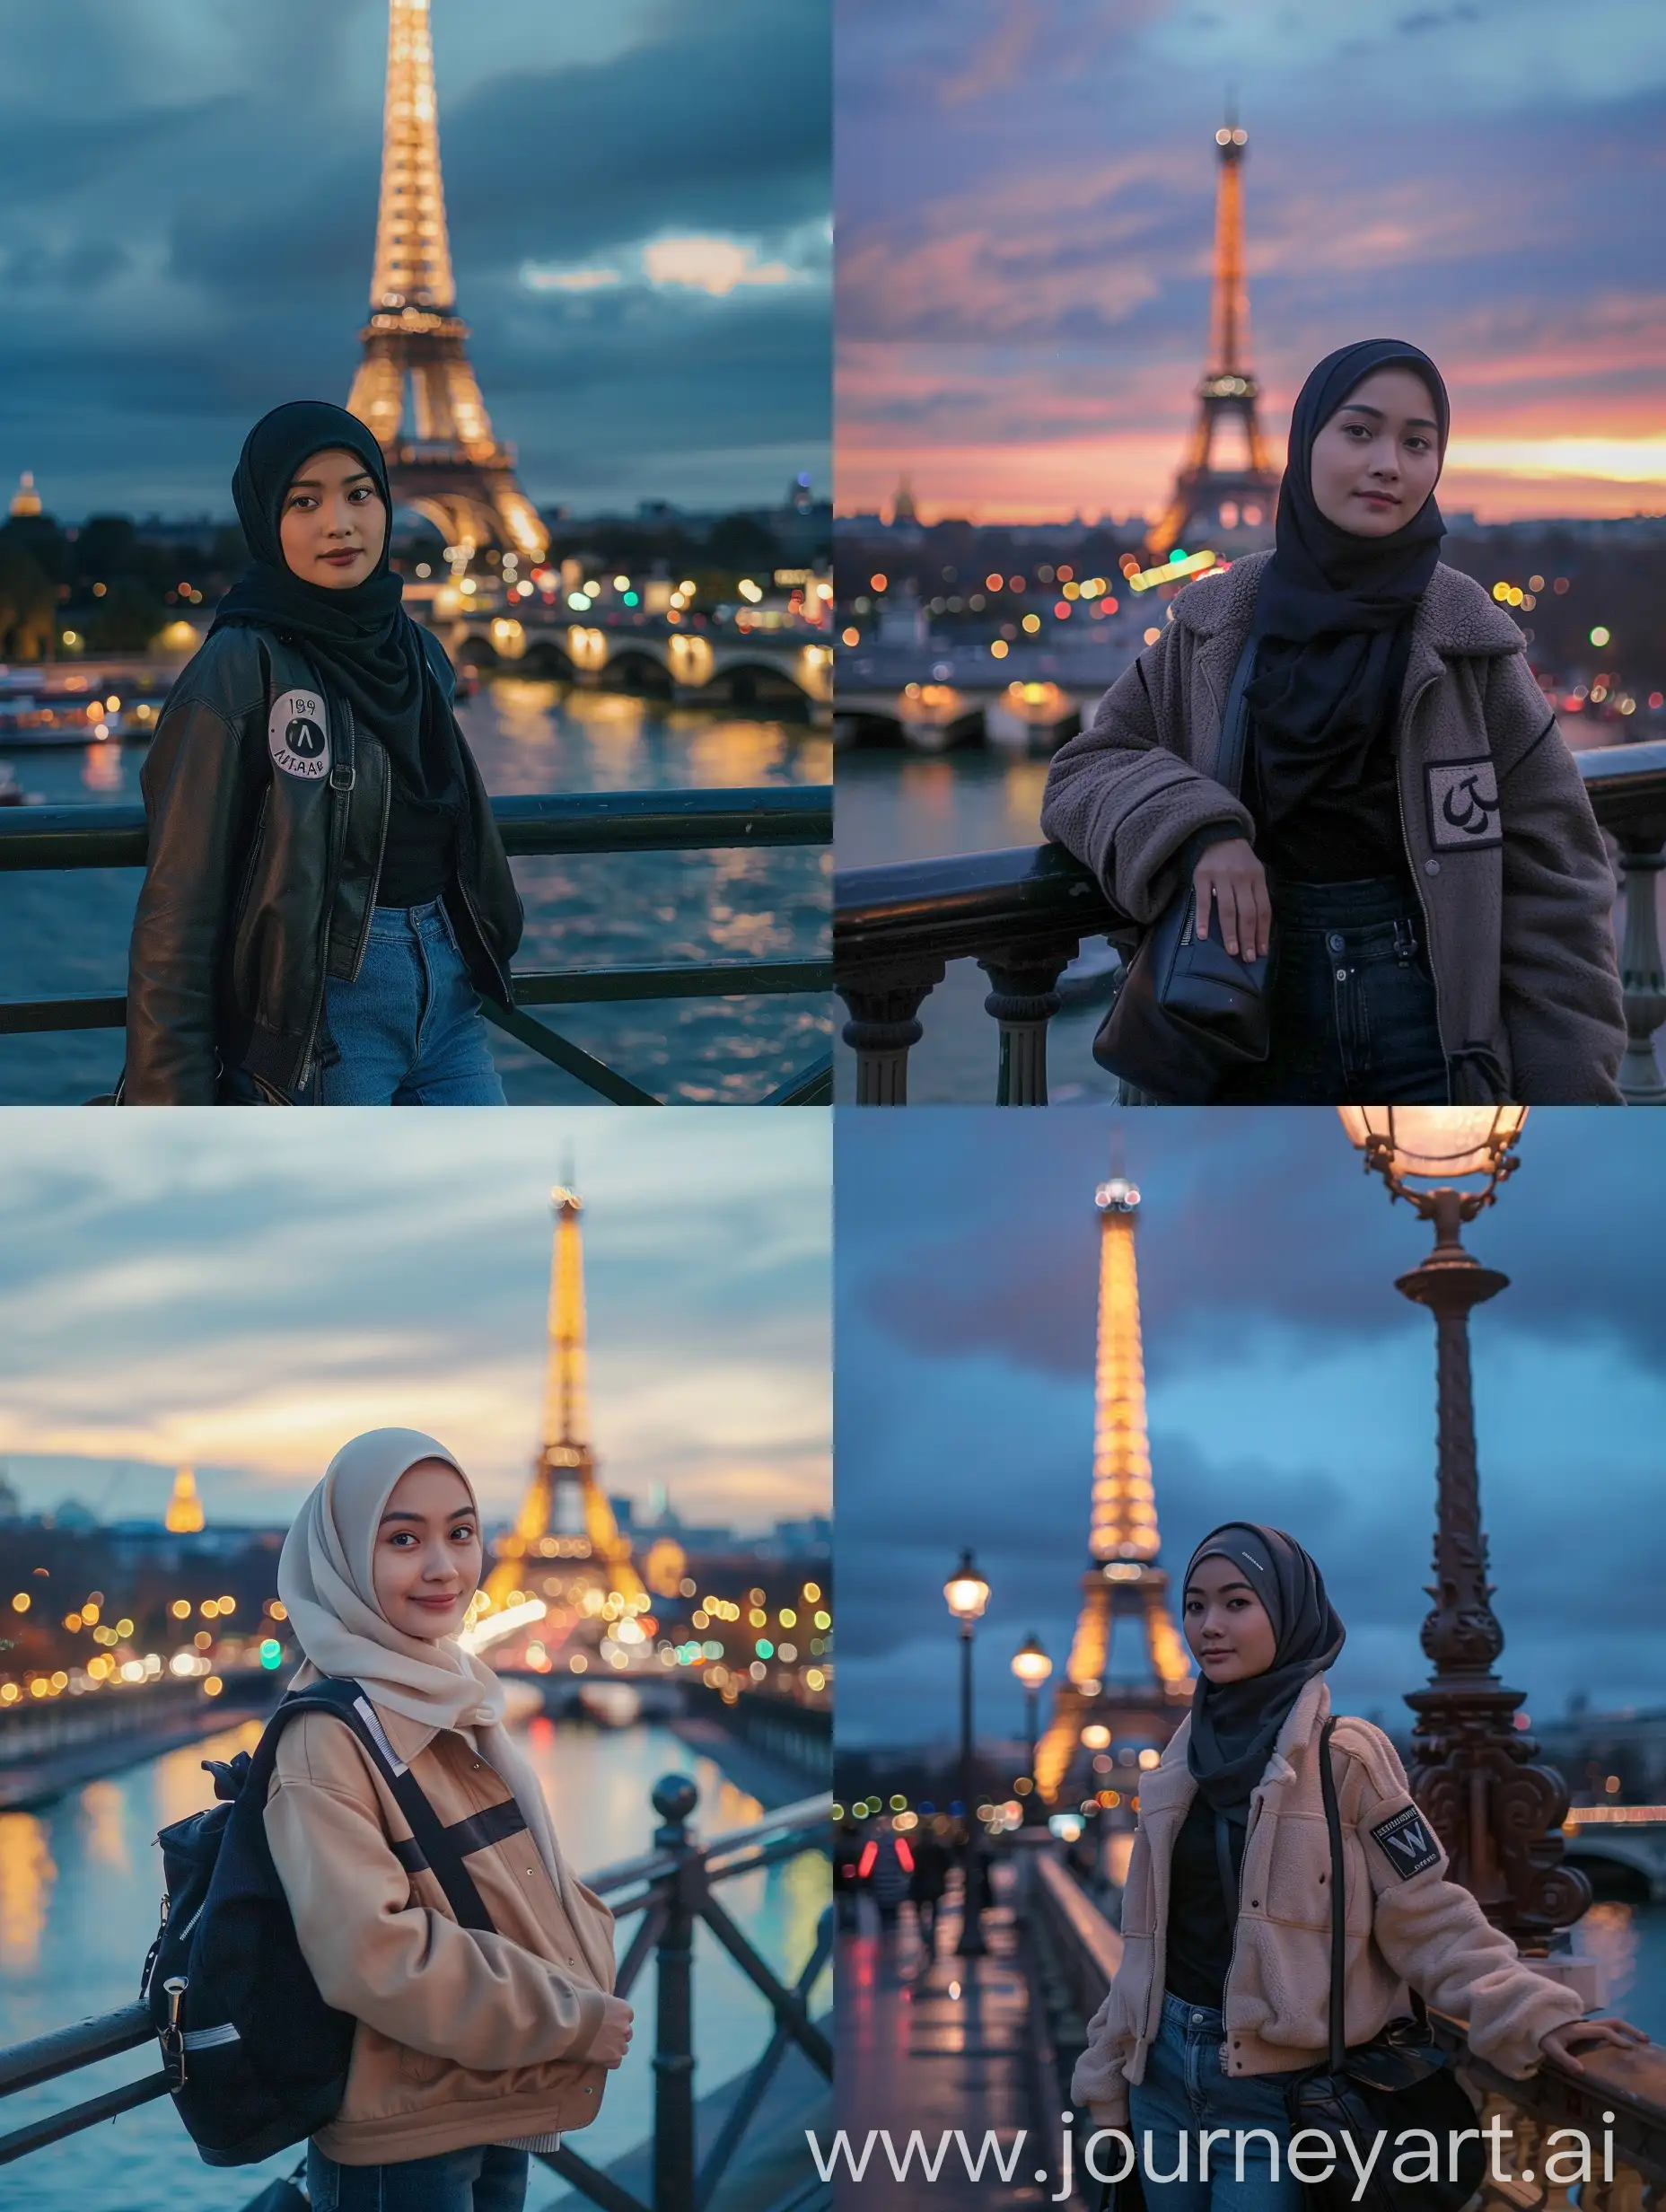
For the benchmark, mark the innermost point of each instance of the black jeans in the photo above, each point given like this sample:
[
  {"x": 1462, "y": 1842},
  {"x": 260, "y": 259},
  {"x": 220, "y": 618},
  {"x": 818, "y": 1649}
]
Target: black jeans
[{"x": 1352, "y": 1002}]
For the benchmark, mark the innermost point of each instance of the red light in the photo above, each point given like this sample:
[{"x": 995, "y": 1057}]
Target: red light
[{"x": 1061, "y": 609}]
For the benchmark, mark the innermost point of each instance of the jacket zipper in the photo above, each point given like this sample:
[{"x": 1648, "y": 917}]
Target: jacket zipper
[
  {"x": 1422, "y": 905},
  {"x": 375, "y": 873},
  {"x": 337, "y": 845}
]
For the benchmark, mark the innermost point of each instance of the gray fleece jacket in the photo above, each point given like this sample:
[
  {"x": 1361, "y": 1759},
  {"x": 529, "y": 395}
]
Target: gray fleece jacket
[{"x": 1515, "y": 882}]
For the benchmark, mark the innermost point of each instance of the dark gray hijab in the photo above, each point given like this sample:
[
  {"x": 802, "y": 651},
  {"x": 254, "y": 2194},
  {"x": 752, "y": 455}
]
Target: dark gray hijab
[{"x": 1234, "y": 1725}]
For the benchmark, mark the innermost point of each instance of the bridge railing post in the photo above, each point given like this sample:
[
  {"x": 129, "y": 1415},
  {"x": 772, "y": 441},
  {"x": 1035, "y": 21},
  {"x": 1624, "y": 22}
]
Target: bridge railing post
[
  {"x": 1023, "y": 1001},
  {"x": 674, "y": 1799},
  {"x": 882, "y": 1028},
  {"x": 1643, "y": 974}
]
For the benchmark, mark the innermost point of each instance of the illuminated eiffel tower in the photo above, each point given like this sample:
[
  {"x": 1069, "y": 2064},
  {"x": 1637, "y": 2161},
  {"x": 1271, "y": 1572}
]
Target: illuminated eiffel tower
[
  {"x": 451, "y": 469},
  {"x": 566, "y": 1547},
  {"x": 1124, "y": 1580},
  {"x": 1225, "y": 502}
]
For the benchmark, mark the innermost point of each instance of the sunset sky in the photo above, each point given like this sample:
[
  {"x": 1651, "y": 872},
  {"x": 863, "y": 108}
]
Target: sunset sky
[
  {"x": 1287, "y": 1382},
  {"x": 244, "y": 1295},
  {"x": 638, "y": 206},
  {"x": 1025, "y": 218}
]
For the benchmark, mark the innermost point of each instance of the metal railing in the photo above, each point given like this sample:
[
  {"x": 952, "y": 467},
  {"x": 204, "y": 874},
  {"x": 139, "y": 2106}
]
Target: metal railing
[
  {"x": 1024, "y": 914},
  {"x": 672, "y": 1887},
  {"x": 633, "y": 822},
  {"x": 1621, "y": 2096}
]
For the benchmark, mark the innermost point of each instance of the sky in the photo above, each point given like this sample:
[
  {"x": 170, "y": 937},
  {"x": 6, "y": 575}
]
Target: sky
[
  {"x": 638, "y": 198},
  {"x": 1287, "y": 1382},
  {"x": 242, "y": 1293},
  {"x": 1025, "y": 195}
]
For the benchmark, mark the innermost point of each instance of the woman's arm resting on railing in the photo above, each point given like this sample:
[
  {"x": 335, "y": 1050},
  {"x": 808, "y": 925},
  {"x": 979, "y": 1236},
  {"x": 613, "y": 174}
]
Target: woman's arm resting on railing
[{"x": 1121, "y": 797}]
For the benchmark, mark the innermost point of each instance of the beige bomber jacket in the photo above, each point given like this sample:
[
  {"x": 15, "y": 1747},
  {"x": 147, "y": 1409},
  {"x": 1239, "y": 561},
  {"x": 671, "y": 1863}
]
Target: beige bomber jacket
[
  {"x": 1405, "y": 1922},
  {"x": 463, "y": 2037}
]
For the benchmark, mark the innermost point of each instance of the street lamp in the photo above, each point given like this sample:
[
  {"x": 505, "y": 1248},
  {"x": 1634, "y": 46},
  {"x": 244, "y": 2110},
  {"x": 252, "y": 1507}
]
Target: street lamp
[
  {"x": 966, "y": 1593},
  {"x": 1032, "y": 1666},
  {"x": 1498, "y": 1814}
]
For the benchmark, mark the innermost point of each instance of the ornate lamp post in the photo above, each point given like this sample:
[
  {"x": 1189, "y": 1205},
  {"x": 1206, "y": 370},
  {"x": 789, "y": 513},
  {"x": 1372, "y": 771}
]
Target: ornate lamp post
[
  {"x": 966, "y": 1593},
  {"x": 1498, "y": 1814},
  {"x": 1032, "y": 1666}
]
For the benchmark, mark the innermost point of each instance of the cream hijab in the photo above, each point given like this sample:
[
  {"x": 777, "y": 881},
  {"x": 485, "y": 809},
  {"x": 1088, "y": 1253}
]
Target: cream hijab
[{"x": 325, "y": 1580}]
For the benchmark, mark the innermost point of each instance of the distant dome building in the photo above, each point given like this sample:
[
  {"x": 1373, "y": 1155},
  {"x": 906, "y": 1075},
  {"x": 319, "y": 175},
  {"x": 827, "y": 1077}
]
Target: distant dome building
[
  {"x": 26, "y": 499},
  {"x": 184, "y": 1516}
]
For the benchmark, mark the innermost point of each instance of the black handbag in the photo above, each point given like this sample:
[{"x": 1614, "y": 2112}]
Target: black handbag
[
  {"x": 1400, "y": 2079},
  {"x": 1190, "y": 1014}
]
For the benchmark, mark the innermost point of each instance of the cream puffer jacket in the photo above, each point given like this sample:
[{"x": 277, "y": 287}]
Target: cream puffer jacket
[
  {"x": 463, "y": 2037},
  {"x": 1405, "y": 1922}
]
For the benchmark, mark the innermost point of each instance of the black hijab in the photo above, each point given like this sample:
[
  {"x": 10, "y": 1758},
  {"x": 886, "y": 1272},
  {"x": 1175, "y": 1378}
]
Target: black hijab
[
  {"x": 1234, "y": 1725},
  {"x": 1334, "y": 609},
  {"x": 361, "y": 640}
]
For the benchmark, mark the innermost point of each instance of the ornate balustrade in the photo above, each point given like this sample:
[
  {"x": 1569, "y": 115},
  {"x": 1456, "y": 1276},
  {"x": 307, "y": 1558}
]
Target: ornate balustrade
[
  {"x": 672, "y": 1887},
  {"x": 631, "y": 821},
  {"x": 1024, "y": 914}
]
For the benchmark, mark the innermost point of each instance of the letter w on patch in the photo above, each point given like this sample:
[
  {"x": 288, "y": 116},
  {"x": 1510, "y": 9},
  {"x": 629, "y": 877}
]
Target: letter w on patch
[
  {"x": 1463, "y": 804},
  {"x": 1406, "y": 1843}
]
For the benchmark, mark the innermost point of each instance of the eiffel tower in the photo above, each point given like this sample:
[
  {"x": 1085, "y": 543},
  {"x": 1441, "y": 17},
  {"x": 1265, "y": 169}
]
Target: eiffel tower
[
  {"x": 1124, "y": 1580},
  {"x": 1225, "y": 504},
  {"x": 453, "y": 470},
  {"x": 566, "y": 1547}
]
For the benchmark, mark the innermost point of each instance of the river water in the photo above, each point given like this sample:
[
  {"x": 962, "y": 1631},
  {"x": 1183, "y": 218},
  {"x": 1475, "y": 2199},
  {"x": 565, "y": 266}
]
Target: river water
[
  {"x": 79, "y": 1889},
  {"x": 68, "y": 933}
]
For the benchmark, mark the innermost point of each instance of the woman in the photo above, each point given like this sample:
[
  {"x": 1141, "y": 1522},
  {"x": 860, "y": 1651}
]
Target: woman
[
  {"x": 472, "y": 2048},
  {"x": 1409, "y": 816},
  {"x": 1215, "y": 2005},
  {"x": 327, "y": 896}
]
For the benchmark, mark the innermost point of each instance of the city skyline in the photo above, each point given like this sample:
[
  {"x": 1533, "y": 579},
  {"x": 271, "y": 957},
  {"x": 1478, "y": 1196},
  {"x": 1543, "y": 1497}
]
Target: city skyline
[
  {"x": 1025, "y": 201},
  {"x": 638, "y": 212},
  {"x": 1286, "y": 1382},
  {"x": 161, "y": 1307}
]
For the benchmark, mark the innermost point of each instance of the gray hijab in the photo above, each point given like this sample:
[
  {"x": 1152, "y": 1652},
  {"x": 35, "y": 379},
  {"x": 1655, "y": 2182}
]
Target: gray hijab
[{"x": 1234, "y": 1725}]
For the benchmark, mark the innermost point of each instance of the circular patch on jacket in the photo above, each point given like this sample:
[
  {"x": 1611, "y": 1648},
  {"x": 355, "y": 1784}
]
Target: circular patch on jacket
[
  {"x": 1463, "y": 804},
  {"x": 297, "y": 735}
]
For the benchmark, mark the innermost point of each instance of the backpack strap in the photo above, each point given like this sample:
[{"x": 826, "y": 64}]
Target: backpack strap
[{"x": 432, "y": 1844}]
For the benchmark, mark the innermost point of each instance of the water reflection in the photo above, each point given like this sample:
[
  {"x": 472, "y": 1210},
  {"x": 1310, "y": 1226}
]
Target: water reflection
[
  {"x": 27, "y": 1875},
  {"x": 103, "y": 1826}
]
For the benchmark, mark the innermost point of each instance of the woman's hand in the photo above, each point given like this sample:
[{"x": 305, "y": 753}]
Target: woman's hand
[
  {"x": 613, "y": 2037},
  {"x": 1231, "y": 875},
  {"x": 1556, "y": 2044}
]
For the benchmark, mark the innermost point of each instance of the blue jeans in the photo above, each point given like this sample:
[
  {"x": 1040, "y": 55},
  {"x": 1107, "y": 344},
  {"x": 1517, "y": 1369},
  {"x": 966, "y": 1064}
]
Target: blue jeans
[
  {"x": 486, "y": 2178},
  {"x": 1184, "y": 2092},
  {"x": 408, "y": 1029},
  {"x": 1352, "y": 1002}
]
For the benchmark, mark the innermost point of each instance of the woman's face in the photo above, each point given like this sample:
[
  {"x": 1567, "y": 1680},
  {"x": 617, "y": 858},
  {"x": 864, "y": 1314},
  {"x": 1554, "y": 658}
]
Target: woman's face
[
  {"x": 334, "y": 524},
  {"x": 1376, "y": 460},
  {"x": 1228, "y": 1627},
  {"x": 427, "y": 1565}
]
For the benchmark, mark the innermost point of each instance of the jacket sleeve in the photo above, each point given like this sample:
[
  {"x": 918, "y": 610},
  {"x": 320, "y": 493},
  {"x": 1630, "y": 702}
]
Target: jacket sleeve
[
  {"x": 1560, "y": 990},
  {"x": 1097, "y": 2081},
  {"x": 1121, "y": 798},
  {"x": 194, "y": 800},
  {"x": 406, "y": 1970},
  {"x": 1432, "y": 1931}
]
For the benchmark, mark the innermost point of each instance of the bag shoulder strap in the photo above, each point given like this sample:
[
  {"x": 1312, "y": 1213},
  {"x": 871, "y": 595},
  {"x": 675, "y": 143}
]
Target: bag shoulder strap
[
  {"x": 1338, "y": 1901},
  {"x": 1235, "y": 720},
  {"x": 430, "y": 1845}
]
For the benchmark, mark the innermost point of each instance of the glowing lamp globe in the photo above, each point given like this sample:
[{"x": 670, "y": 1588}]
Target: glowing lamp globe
[
  {"x": 966, "y": 1592},
  {"x": 1434, "y": 1144},
  {"x": 1031, "y": 1664}
]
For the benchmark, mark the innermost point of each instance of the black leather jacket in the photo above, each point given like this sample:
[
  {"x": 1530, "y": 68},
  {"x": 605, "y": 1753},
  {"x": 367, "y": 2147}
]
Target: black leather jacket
[{"x": 268, "y": 812}]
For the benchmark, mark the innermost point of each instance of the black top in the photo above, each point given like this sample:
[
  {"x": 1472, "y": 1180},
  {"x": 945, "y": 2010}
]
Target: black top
[
  {"x": 1200, "y": 1946},
  {"x": 1347, "y": 826},
  {"x": 418, "y": 859}
]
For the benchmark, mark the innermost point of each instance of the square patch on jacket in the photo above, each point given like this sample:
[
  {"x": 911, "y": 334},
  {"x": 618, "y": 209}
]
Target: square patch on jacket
[
  {"x": 1407, "y": 1842},
  {"x": 1463, "y": 804}
]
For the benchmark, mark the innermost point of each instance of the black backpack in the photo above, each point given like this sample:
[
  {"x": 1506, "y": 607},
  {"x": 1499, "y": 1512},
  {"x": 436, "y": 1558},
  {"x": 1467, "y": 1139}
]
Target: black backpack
[{"x": 256, "y": 2059}]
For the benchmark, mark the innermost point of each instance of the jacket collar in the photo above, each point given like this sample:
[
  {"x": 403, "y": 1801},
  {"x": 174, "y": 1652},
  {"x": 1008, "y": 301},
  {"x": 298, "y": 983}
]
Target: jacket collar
[
  {"x": 1172, "y": 1783},
  {"x": 1455, "y": 618}
]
